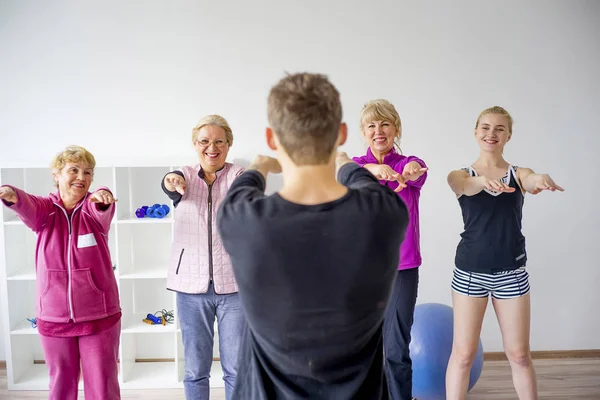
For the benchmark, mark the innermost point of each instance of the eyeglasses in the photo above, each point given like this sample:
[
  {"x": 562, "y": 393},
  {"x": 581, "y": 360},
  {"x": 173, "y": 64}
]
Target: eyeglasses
[{"x": 218, "y": 143}]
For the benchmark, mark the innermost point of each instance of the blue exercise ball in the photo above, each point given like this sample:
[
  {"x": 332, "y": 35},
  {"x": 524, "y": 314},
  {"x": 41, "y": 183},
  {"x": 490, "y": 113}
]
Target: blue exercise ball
[{"x": 430, "y": 348}]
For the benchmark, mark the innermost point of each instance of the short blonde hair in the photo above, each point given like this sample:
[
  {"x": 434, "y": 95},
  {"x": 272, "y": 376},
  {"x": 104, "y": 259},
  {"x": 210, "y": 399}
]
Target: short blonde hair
[
  {"x": 496, "y": 110},
  {"x": 305, "y": 112},
  {"x": 73, "y": 154},
  {"x": 381, "y": 110},
  {"x": 216, "y": 120}
]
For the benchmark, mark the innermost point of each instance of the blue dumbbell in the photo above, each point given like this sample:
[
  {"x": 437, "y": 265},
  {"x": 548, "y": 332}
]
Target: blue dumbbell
[
  {"x": 157, "y": 211},
  {"x": 161, "y": 211},
  {"x": 141, "y": 212},
  {"x": 150, "y": 211},
  {"x": 154, "y": 211}
]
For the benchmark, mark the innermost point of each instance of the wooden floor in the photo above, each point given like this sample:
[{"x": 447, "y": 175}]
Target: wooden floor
[{"x": 564, "y": 379}]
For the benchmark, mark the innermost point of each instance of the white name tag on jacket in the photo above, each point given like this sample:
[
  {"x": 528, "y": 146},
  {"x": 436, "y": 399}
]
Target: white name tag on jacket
[{"x": 87, "y": 240}]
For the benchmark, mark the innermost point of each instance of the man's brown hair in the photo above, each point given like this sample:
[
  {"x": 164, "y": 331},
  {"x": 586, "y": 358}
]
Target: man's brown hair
[{"x": 305, "y": 112}]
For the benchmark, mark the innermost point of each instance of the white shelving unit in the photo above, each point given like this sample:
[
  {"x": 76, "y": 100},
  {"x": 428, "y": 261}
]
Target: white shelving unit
[{"x": 151, "y": 356}]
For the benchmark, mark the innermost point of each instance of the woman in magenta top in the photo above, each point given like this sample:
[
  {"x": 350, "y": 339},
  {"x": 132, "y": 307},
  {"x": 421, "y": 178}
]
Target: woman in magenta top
[
  {"x": 382, "y": 129},
  {"x": 77, "y": 300}
]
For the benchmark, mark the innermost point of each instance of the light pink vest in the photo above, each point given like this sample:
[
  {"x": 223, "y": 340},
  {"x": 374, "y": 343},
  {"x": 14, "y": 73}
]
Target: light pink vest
[{"x": 195, "y": 233}]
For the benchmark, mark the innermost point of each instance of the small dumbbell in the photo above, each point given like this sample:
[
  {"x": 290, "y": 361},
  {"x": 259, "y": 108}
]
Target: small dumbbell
[
  {"x": 150, "y": 210},
  {"x": 141, "y": 212},
  {"x": 161, "y": 211}
]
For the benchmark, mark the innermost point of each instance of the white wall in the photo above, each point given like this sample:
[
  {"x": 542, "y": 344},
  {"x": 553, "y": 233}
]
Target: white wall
[{"x": 129, "y": 79}]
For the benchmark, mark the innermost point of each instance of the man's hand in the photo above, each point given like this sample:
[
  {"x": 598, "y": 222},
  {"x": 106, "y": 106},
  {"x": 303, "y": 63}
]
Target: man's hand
[
  {"x": 341, "y": 159},
  {"x": 265, "y": 165},
  {"x": 385, "y": 173}
]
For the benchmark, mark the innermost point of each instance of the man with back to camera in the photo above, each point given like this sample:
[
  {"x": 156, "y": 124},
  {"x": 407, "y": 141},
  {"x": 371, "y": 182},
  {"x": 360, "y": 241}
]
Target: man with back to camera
[{"x": 315, "y": 262}]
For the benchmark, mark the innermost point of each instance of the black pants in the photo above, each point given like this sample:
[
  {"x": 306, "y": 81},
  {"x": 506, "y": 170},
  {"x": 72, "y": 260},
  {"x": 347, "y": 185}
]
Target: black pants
[{"x": 396, "y": 334}]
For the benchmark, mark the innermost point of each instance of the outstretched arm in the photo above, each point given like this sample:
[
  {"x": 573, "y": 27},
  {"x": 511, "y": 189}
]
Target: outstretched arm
[
  {"x": 265, "y": 165},
  {"x": 534, "y": 183},
  {"x": 463, "y": 184},
  {"x": 351, "y": 175},
  {"x": 102, "y": 207},
  {"x": 33, "y": 210},
  {"x": 245, "y": 189},
  {"x": 384, "y": 172},
  {"x": 174, "y": 182},
  {"x": 413, "y": 170},
  {"x": 251, "y": 183},
  {"x": 8, "y": 195}
]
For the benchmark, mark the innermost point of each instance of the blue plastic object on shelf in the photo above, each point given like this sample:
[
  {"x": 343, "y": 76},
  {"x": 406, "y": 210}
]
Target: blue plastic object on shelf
[{"x": 154, "y": 211}]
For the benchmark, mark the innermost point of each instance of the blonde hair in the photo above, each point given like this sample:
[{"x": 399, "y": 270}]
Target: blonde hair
[
  {"x": 496, "y": 110},
  {"x": 305, "y": 112},
  {"x": 381, "y": 110},
  {"x": 216, "y": 120},
  {"x": 73, "y": 154}
]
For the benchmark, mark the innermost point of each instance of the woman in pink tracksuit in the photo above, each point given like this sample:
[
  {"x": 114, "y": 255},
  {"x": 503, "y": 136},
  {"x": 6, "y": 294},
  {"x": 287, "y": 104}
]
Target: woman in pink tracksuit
[
  {"x": 382, "y": 129},
  {"x": 77, "y": 301}
]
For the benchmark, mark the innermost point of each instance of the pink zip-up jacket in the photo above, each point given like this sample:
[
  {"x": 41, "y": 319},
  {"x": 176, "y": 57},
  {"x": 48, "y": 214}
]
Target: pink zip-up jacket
[
  {"x": 74, "y": 276},
  {"x": 410, "y": 250},
  {"x": 197, "y": 253}
]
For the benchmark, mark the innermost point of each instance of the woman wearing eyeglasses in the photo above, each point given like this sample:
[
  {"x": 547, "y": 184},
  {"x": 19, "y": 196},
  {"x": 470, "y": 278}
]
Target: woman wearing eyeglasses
[{"x": 200, "y": 270}]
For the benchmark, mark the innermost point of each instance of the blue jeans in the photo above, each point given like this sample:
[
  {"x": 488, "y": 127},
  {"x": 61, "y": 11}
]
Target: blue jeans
[
  {"x": 396, "y": 333},
  {"x": 197, "y": 314}
]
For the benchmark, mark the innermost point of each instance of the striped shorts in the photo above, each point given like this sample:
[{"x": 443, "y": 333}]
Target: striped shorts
[{"x": 502, "y": 285}]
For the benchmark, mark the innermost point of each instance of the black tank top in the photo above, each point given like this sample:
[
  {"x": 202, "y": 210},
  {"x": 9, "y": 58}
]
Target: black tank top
[{"x": 492, "y": 240}]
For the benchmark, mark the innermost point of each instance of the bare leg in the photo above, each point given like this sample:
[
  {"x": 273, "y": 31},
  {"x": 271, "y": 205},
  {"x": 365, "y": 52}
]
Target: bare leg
[
  {"x": 468, "y": 318},
  {"x": 514, "y": 319}
]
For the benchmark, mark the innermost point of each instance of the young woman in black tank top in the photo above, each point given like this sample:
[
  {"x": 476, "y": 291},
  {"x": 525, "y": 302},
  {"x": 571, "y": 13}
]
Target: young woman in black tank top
[{"x": 490, "y": 258}]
